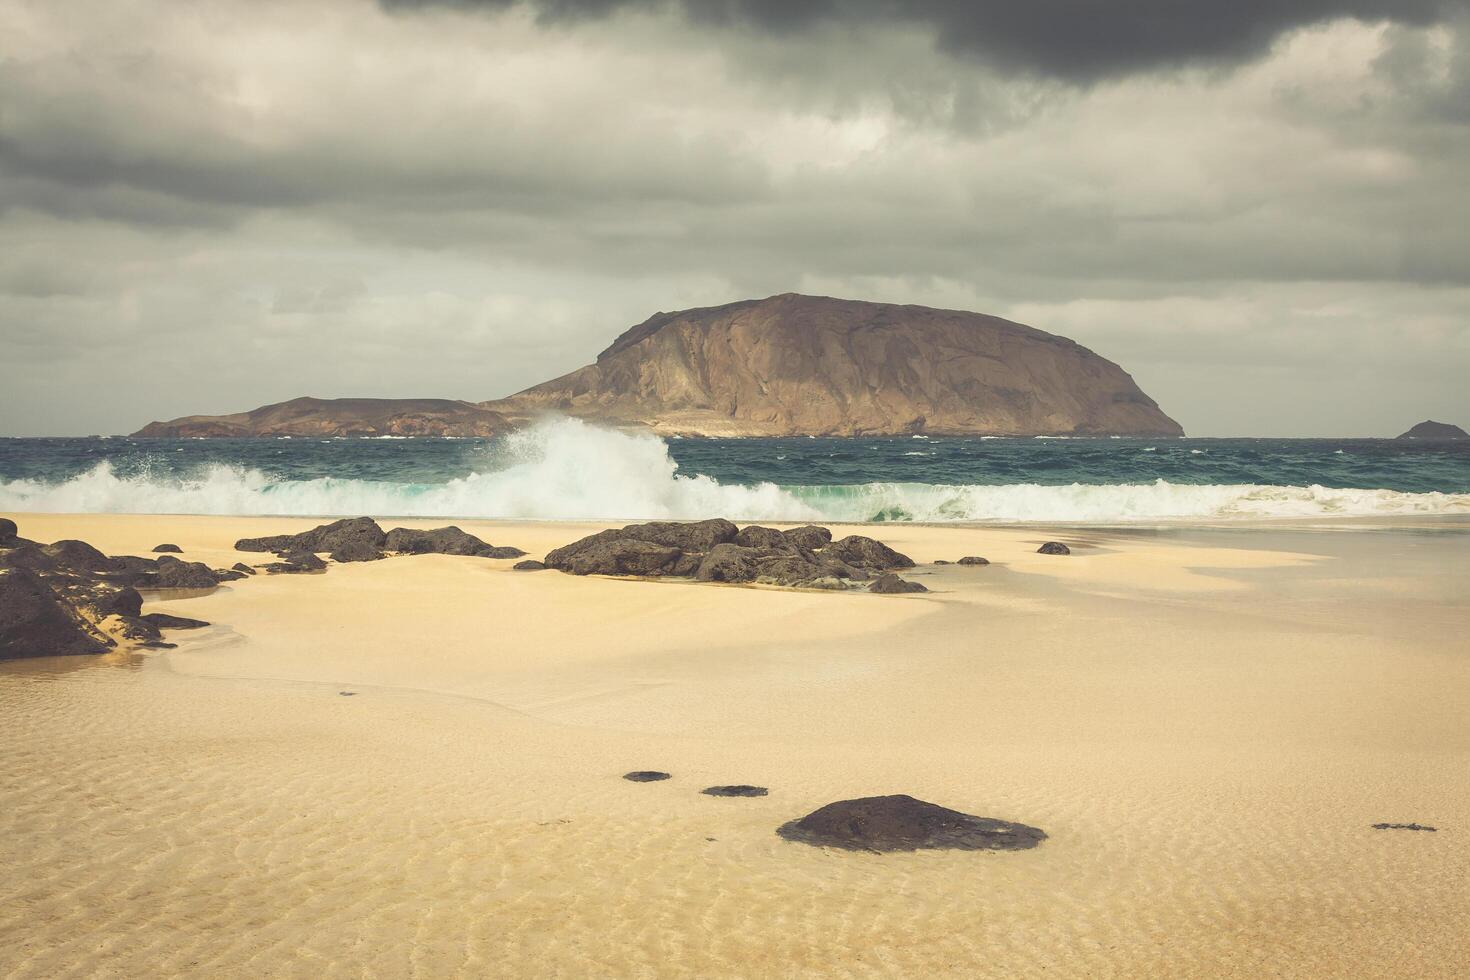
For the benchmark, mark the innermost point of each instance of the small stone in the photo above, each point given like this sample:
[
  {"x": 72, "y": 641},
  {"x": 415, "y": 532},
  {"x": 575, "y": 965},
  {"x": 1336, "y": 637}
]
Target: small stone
[
  {"x": 974, "y": 560},
  {"x": 902, "y": 823},
  {"x": 890, "y": 584},
  {"x": 1053, "y": 548},
  {"x": 738, "y": 790},
  {"x": 646, "y": 776},
  {"x": 167, "y": 548},
  {"x": 1403, "y": 826},
  {"x": 529, "y": 565}
]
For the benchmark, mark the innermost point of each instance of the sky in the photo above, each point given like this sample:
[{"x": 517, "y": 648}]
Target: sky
[{"x": 1260, "y": 209}]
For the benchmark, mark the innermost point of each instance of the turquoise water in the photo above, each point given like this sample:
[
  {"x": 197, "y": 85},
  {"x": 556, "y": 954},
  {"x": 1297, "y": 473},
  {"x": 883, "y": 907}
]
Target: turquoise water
[{"x": 568, "y": 469}]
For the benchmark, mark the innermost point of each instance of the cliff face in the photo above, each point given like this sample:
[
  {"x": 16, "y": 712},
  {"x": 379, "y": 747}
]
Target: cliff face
[
  {"x": 808, "y": 365},
  {"x": 1435, "y": 430},
  {"x": 328, "y": 417}
]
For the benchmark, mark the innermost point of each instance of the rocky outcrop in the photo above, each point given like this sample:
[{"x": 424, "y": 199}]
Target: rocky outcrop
[
  {"x": 890, "y": 584},
  {"x": 357, "y": 539},
  {"x": 331, "y": 417},
  {"x": 1053, "y": 548},
  {"x": 167, "y": 549},
  {"x": 67, "y": 598},
  {"x": 813, "y": 365},
  {"x": 974, "y": 560},
  {"x": 718, "y": 551},
  {"x": 1440, "y": 431},
  {"x": 444, "y": 541},
  {"x": 902, "y": 823}
]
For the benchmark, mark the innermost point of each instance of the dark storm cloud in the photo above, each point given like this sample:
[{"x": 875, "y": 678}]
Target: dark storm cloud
[{"x": 1076, "y": 40}]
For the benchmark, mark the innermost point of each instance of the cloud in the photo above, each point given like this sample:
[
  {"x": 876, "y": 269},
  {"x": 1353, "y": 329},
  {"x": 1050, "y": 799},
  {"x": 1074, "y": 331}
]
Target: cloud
[
  {"x": 1076, "y": 40},
  {"x": 247, "y": 202}
]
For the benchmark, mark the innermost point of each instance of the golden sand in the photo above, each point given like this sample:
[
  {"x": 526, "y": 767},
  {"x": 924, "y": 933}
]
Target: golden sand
[{"x": 1205, "y": 722}]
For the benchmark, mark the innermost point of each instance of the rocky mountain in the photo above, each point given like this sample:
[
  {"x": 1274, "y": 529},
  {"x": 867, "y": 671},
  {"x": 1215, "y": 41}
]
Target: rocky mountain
[
  {"x": 326, "y": 417},
  {"x": 812, "y": 365},
  {"x": 1435, "y": 430}
]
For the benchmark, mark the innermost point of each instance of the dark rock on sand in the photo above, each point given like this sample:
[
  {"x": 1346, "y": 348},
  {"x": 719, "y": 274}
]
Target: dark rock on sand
[
  {"x": 292, "y": 563},
  {"x": 359, "y": 550},
  {"x": 529, "y": 565},
  {"x": 756, "y": 536},
  {"x": 1053, "y": 548},
  {"x": 942, "y": 561},
  {"x": 164, "y": 621},
  {"x": 122, "y": 602},
  {"x": 646, "y": 776},
  {"x": 718, "y": 551},
  {"x": 1403, "y": 826},
  {"x": 890, "y": 584},
  {"x": 242, "y": 568},
  {"x": 608, "y": 553},
  {"x": 172, "y": 549},
  {"x": 902, "y": 823},
  {"x": 326, "y": 538},
  {"x": 171, "y": 573},
  {"x": 9, "y": 533},
  {"x": 974, "y": 560},
  {"x": 863, "y": 552},
  {"x": 229, "y": 574},
  {"x": 810, "y": 536},
  {"x": 445, "y": 541},
  {"x": 37, "y": 622},
  {"x": 735, "y": 791},
  {"x": 729, "y": 563}
]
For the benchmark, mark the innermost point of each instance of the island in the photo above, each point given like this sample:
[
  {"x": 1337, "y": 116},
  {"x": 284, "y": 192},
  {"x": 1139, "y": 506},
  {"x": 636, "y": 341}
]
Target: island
[
  {"x": 787, "y": 365},
  {"x": 1435, "y": 430}
]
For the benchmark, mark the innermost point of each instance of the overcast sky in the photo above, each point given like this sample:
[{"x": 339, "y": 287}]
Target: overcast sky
[{"x": 1261, "y": 209}]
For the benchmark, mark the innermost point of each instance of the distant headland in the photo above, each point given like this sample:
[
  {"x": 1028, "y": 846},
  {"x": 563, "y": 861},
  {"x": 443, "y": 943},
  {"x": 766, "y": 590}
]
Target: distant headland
[{"x": 787, "y": 365}]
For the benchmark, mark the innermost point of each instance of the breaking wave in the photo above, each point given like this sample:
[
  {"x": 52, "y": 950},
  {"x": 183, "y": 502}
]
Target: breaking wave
[{"x": 567, "y": 469}]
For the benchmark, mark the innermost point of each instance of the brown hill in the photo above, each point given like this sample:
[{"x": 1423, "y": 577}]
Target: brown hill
[
  {"x": 340, "y": 417},
  {"x": 811, "y": 365}
]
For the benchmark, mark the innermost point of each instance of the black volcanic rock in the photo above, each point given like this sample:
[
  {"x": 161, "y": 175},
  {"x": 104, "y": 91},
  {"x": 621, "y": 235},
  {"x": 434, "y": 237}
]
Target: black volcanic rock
[
  {"x": 601, "y": 554},
  {"x": 529, "y": 565},
  {"x": 810, "y": 536},
  {"x": 445, "y": 541},
  {"x": 37, "y": 622},
  {"x": 352, "y": 532},
  {"x": 1436, "y": 431},
  {"x": 9, "y": 533},
  {"x": 646, "y": 776},
  {"x": 242, "y": 568},
  {"x": 359, "y": 550},
  {"x": 974, "y": 560},
  {"x": 164, "y": 621},
  {"x": 296, "y": 562},
  {"x": 739, "y": 790},
  {"x": 718, "y": 551},
  {"x": 1404, "y": 826},
  {"x": 902, "y": 823},
  {"x": 1053, "y": 548},
  {"x": 768, "y": 538},
  {"x": 171, "y": 549},
  {"x": 890, "y": 584},
  {"x": 175, "y": 574},
  {"x": 862, "y": 552}
]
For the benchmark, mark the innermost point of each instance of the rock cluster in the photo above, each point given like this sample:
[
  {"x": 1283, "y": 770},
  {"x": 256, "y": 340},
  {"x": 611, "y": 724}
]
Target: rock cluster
[
  {"x": 902, "y": 823},
  {"x": 361, "y": 539},
  {"x": 717, "y": 551},
  {"x": 69, "y": 598}
]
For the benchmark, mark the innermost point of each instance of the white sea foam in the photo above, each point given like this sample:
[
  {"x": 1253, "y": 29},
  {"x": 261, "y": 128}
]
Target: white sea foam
[{"x": 567, "y": 469}]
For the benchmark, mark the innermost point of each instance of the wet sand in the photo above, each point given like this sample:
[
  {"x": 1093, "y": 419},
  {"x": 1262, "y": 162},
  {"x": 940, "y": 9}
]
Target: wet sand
[{"x": 1205, "y": 722}]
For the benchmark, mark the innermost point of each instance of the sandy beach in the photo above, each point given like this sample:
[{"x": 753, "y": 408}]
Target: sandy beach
[{"x": 1205, "y": 721}]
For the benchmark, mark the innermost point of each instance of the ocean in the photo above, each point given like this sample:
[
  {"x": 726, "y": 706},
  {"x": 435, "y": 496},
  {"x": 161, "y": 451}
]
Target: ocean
[{"x": 567, "y": 469}]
